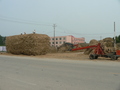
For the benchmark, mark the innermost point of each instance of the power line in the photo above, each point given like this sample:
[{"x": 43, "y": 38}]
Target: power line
[
  {"x": 71, "y": 32},
  {"x": 24, "y": 22}
]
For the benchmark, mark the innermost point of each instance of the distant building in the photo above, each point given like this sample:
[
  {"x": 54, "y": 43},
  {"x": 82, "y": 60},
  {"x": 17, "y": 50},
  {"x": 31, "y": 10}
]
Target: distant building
[{"x": 59, "y": 40}]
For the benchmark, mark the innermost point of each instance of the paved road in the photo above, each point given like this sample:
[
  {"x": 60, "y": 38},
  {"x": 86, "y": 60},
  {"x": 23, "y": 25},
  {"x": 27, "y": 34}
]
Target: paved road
[{"x": 23, "y": 73}]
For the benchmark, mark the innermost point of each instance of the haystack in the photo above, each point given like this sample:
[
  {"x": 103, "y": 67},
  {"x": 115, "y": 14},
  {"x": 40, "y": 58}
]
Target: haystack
[
  {"x": 89, "y": 50},
  {"x": 28, "y": 44},
  {"x": 107, "y": 45},
  {"x": 118, "y": 46},
  {"x": 65, "y": 47},
  {"x": 52, "y": 49}
]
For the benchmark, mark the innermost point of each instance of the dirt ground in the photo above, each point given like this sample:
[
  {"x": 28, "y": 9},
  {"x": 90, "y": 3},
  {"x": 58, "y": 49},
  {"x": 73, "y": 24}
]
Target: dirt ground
[{"x": 66, "y": 55}]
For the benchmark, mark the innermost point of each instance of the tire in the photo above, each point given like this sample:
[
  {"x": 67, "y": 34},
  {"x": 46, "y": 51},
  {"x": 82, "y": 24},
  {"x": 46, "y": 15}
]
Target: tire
[
  {"x": 91, "y": 57},
  {"x": 114, "y": 57},
  {"x": 96, "y": 57}
]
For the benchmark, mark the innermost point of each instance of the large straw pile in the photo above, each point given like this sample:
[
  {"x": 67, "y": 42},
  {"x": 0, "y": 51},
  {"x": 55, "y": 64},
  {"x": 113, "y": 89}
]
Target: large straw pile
[{"x": 28, "y": 44}]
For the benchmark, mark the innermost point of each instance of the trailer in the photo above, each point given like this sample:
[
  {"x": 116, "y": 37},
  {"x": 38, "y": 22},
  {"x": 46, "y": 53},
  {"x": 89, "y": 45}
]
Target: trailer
[{"x": 99, "y": 52}]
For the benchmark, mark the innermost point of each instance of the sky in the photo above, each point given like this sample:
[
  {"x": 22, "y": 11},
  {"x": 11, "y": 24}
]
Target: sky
[{"x": 91, "y": 19}]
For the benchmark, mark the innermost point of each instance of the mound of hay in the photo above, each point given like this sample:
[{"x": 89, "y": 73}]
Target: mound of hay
[
  {"x": 93, "y": 42},
  {"x": 118, "y": 46},
  {"x": 83, "y": 44},
  {"x": 108, "y": 39},
  {"x": 52, "y": 49},
  {"x": 65, "y": 47},
  {"x": 107, "y": 44},
  {"x": 28, "y": 44},
  {"x": 89, "y": 50}
]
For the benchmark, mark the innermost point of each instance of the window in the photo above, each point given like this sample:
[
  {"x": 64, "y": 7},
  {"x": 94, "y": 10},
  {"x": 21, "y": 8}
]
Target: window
[
  {"x": 56, "y": 38},
  {"x": 52, "y": 42},
  {"x": 52, "y": 38},
  {"x": 56, "y": 42},
  {"x": 60, "y": 38},
  {"x": 60, "y": 42},
  {"x": 64, "y": 38}
]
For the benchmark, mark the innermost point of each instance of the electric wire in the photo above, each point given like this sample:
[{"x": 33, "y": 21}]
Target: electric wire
[{"x": 23, "y": 22}]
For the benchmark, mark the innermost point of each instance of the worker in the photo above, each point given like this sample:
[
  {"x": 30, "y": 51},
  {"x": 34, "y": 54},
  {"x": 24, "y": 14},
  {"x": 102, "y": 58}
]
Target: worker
[{"x": 34, "y": 32}]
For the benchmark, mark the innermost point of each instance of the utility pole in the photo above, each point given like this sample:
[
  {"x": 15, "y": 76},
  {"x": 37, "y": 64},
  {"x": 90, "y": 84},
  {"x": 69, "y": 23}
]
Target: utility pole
[
  {"x": 114, "y": 37},
  {"x": 54, "y": 25}
]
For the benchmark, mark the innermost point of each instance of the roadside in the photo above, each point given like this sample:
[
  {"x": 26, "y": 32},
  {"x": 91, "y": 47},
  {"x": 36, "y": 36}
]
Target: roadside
[{"x": 66, "y": 55}]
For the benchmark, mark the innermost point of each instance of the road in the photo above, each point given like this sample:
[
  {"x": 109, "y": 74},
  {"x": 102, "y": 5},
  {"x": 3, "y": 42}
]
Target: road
[{"x": 26, "y": 73}]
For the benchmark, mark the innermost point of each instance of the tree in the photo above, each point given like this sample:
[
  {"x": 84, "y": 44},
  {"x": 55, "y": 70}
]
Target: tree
[
  {"x": 2, "y": 40},
  {"x": 117, "y": 39}
]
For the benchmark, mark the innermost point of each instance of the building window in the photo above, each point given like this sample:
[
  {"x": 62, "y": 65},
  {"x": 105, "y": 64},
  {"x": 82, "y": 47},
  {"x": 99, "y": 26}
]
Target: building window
[
  {"x": 60, "y": 42},
  {"x": 52, "y": 38},
  {"x": 56, "y": 42},
  {"x": 60, "y": 38},
  {"x": 52, "y": 42},
  {"x": 64, "y": 38},
  {"x": 56, "y": 38}
]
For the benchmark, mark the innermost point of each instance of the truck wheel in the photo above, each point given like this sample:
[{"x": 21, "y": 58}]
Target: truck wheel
[
  {"x": 114, "y": 57},
  {"x": 91, "y": 57},
  {"x": 96, "y": 57}
]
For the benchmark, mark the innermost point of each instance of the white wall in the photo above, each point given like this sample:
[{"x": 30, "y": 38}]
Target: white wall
[{"x": 3, "y": 48}]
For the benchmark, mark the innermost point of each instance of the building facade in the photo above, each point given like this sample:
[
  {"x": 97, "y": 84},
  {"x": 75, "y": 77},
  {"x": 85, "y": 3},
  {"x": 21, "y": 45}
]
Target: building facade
[{"x": 59, "y": 40}]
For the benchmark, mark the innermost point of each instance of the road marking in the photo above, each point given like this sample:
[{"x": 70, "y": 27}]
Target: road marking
[{"x": 18, "y": 80}]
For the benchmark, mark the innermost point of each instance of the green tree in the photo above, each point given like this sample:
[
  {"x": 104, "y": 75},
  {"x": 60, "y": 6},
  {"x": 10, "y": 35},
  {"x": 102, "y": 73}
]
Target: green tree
[
  {"x": 2, "y": 40},
  {"x": 117, "y": 39}
]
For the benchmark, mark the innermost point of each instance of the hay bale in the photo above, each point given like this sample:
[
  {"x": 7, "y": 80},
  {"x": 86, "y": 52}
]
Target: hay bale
[{"x": 28, "y": 44}]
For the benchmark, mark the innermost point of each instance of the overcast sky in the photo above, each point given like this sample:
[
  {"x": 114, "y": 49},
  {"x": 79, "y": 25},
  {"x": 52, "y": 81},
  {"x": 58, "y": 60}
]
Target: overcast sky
[{"x": 91, "y": 19}]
